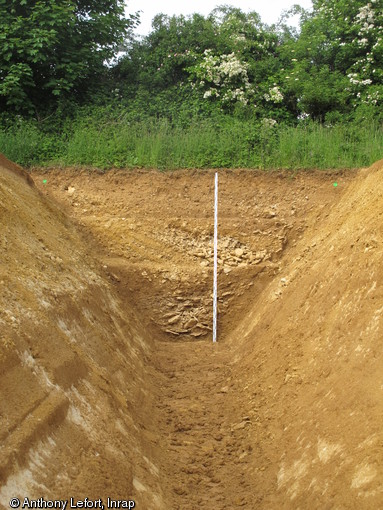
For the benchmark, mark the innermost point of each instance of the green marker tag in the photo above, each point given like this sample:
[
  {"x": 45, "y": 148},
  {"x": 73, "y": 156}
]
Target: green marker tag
[
  {"x": 335, "y": 184},
  {"x": 44, "y": 181}
]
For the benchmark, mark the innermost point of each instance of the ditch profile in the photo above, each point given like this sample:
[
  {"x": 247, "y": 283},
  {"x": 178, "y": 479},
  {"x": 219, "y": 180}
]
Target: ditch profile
[{"x": 112, "y": 386}]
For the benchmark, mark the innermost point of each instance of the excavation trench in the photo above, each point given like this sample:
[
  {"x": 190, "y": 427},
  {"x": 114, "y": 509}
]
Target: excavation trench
[
  {"x": 154, "y": 233},
  {"x": 132, "y": 399},
  {"x": 154, "y": 236}
]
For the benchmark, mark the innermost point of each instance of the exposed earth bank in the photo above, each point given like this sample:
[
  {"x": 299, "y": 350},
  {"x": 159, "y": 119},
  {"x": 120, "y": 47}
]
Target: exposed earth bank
[{"x": 111, "y": 385}]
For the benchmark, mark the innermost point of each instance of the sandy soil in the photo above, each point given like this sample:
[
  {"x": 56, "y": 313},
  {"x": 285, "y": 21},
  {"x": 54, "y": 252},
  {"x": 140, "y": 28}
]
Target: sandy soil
[
  {"x": 283, "y": 412},
  {"x": 155, "y": 233}
]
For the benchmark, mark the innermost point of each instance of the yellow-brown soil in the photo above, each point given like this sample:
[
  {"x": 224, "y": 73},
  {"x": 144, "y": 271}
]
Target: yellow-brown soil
[{"x": 110, "y": 383}]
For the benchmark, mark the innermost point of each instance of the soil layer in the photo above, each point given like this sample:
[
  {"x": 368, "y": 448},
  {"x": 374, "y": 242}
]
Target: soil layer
[{"x": 283, "y": 412}]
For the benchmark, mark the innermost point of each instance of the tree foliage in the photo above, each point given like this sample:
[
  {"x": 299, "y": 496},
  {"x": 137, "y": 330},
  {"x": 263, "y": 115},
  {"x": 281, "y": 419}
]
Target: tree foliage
[
  {"x": 336, "y": 64},
  {"x": 328, "y": 70},
  {"x": 225, "y": 61},
  {"x": 52, "y": 48}
]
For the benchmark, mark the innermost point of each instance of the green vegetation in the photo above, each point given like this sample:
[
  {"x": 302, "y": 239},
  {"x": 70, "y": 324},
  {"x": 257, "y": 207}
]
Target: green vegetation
[
  {"x": 202, "y": 144},
  {"x": 50, "y": 50},
  {"x": 217, "y": 91}
]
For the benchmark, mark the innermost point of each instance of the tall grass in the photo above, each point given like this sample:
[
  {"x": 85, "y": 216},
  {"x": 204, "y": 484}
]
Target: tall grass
[
  {"x": 341, "y": 146},
  {"x": 227, "y": 142}
]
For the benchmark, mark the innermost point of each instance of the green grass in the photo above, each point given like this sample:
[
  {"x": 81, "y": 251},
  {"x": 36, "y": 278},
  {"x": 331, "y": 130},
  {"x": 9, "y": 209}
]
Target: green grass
[
  {"x": 227, "y": 142},
  {"x": 342, "y": 146}
]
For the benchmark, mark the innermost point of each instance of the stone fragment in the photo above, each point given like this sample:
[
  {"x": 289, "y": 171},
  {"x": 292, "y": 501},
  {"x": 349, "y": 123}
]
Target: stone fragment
[
  {"x": 196, "y": 333},
  {"x": 190, "y": 323},
  {"x": 240, "y": 425},
  {"x": 174, "y": 319}
]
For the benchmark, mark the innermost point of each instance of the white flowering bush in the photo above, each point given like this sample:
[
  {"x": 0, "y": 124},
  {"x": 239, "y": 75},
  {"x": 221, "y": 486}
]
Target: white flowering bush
[
  {"x": 337, "y": 63},
  {"x": 222, "y": 77},
  {"x": 274, "y": 95},
  {"x": 268, "y": 123},
  {"x": 366, "y": 73}
]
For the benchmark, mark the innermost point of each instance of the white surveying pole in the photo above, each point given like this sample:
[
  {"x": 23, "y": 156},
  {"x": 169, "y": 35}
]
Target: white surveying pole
[{"x": 215, "y": 259}]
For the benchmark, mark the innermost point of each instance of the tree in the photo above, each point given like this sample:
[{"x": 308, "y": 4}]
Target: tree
[
  {"x": 336, "y": 65},
  {"x": 152, "y": 77},
  {"x": 159, "y": 61},
  {"x": 226, "y": 61},
  {"x": 242, "y": 70},
  {"x": 52, "y": 49}
]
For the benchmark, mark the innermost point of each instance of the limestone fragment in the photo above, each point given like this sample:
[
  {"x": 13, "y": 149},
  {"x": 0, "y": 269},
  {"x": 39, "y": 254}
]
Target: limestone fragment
[{"x": 174, "y": 319}]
